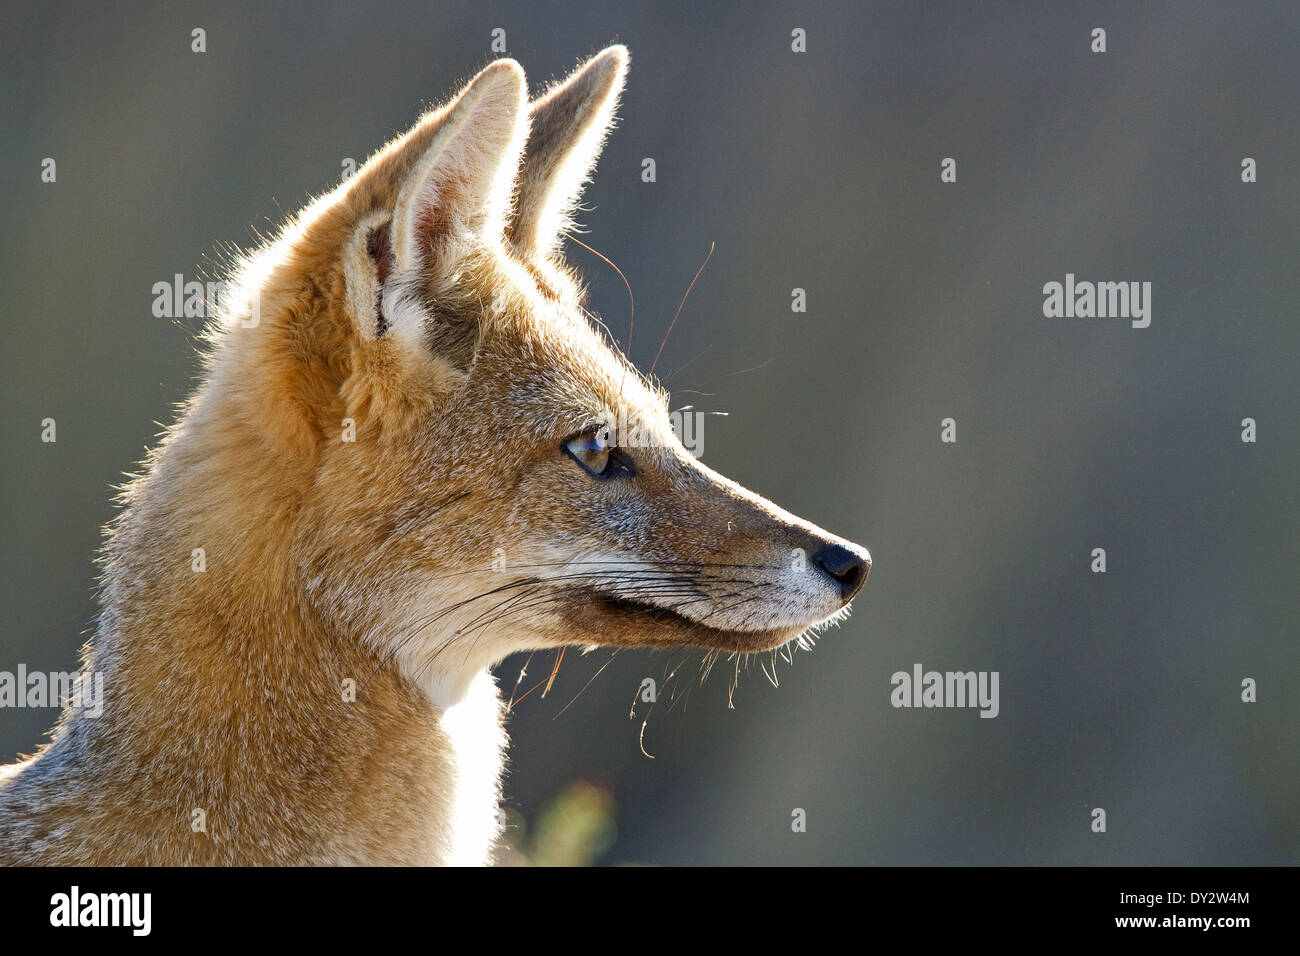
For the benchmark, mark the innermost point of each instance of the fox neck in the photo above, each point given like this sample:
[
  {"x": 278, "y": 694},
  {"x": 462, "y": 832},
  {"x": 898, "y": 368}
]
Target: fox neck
[{"x": 224, "y": 692}]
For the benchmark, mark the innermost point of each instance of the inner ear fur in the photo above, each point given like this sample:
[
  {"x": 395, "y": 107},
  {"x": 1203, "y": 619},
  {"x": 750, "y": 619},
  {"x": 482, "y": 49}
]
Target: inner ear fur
[{"x": 426, "y": 202}]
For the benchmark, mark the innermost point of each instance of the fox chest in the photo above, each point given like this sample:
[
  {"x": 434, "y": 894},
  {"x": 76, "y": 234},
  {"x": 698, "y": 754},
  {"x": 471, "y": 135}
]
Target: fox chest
[{"x": 473, "y": 739}]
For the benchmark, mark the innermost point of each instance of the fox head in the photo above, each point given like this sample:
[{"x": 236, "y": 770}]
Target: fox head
[{"x": 475, "y": 470}]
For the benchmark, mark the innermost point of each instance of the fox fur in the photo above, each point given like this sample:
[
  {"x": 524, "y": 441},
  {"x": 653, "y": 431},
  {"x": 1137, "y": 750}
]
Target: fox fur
[{"x": 378, "y": 468}]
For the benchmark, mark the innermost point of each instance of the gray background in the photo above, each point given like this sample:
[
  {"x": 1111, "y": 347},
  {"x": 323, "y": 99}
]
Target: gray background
[{"x": 818, "y": 170}]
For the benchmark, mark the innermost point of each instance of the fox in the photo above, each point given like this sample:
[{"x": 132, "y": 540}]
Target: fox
[{"x": 407, "y": 456}]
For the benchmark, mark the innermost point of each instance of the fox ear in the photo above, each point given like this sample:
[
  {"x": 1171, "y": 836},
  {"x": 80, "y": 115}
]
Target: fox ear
[
  {"x": 464, "y": 180},
  {"x": 420, "y": 203},
  {"x": 567, "y": 130}
]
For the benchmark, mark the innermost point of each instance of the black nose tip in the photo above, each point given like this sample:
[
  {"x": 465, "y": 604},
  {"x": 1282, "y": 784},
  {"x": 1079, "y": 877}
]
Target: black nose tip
[{"x": 848, "y": 566}]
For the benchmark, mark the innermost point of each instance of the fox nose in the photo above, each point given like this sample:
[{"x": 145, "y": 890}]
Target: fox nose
[{"x": 849, "y": 567}]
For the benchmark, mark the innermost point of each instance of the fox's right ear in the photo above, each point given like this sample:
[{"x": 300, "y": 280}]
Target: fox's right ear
[{"x": 428, "y": 197}]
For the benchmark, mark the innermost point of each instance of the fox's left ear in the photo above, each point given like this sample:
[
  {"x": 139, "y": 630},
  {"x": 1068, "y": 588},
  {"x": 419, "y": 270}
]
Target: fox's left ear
[{"x": 567, "y": 130}]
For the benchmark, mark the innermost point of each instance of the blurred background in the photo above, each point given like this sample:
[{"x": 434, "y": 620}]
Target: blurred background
[{"x": 821, "y": 171}]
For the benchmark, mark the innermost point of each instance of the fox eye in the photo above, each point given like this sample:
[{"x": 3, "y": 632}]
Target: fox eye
[{"x": 594, "y": 451}]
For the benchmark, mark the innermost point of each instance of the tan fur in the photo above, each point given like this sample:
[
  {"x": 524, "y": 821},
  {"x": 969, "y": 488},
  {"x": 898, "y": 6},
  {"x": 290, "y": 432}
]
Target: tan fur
[{"x": 423, "y": 300}]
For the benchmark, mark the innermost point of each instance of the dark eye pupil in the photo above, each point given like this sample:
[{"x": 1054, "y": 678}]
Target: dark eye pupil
[{"x": 618, "y": 461}]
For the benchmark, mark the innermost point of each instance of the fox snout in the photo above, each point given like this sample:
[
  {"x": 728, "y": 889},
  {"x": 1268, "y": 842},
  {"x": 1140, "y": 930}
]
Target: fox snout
[
  {"x": 811, "y": 565},
  {"x": 673, "y": 553}
]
